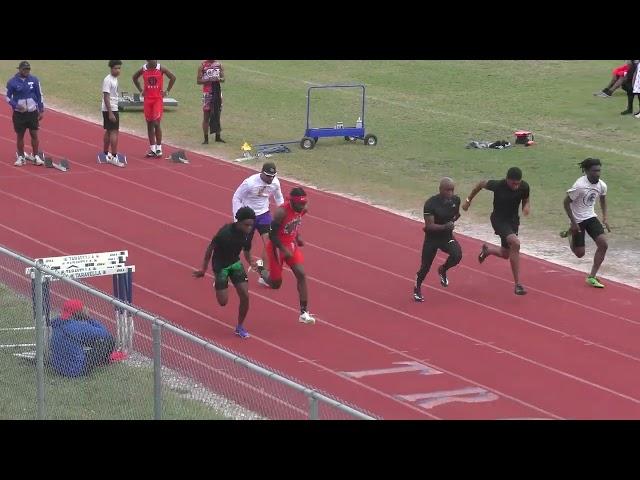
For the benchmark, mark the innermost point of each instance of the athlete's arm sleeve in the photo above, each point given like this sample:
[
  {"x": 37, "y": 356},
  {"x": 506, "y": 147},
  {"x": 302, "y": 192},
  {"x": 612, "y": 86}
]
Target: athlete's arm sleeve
[
  {"x": 458, "y": 203},
  {"x": 604, "y": 190},
  {"x": 39, "y": 97},
  {"x": 278, "y": 195},
  {"x": 238, "y": 197},
  {"x": 428, "y": 208},
  {"x": 9, "y": 95},
  {"x": 491, "y": 185},
  {"x": 525, "y": 194},
  {"x": 573, "y": 191}
]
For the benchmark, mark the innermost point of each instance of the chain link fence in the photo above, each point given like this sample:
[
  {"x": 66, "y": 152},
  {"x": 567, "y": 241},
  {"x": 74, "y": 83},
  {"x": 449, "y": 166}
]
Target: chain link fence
[{"x": 59, "y": 364}]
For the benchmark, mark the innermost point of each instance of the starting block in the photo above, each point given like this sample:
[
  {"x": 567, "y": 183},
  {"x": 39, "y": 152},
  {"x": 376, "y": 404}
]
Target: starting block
[
  {"x": 178, "y": 157},
  {"x": 63, "y": 166},
  {"x": 119, "y": 161}
]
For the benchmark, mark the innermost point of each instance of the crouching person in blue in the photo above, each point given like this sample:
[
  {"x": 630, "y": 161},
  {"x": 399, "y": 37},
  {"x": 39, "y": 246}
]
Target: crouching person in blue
[{"x": 78, "y": 343}]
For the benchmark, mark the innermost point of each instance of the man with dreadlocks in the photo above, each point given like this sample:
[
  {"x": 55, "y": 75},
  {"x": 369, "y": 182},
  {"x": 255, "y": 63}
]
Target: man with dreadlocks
[
  {"x": 225, "y": 248},
  {"x": 284, "y": 247},
  {"x": 580, "y": 207}
]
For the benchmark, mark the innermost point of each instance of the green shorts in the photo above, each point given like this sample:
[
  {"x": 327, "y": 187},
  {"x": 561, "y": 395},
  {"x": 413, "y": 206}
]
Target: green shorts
[{"x": 235, "y": 272}]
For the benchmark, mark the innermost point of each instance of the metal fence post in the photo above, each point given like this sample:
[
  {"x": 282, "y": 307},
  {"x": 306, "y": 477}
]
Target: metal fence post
[
  {"x": 313, "y": 407},
  {"x": 39, "y": 344},
  {"x": 157, "y": 372}
]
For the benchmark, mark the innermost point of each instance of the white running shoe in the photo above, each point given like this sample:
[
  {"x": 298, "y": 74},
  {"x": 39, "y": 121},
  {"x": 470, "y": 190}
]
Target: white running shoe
[
  {"x": 158, "y": 152},
  {"x": 20, "y": 161},
  {"x": 114, "y": 161},
  {"x": 306, "y": 318},
  {"x": 35, "y": 159},
  {"x": 262, "y": 282},
  {"x": 259, "y": 265}
]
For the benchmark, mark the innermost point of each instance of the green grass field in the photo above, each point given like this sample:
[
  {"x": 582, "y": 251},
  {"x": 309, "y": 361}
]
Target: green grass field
[
  {"x": 423, "y": 112},
  {"x": 118, "y": 391}
]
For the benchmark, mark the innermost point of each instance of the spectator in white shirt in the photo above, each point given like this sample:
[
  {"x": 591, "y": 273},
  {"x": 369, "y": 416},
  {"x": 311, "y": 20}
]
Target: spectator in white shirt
[{"x": 110, "y": 116}]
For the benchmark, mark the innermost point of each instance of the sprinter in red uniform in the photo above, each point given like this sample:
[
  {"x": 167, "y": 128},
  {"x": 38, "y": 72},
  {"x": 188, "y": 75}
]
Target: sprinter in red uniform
[
  {"x": 284, "y": 246},
  {"x": 152, "y": 74}
]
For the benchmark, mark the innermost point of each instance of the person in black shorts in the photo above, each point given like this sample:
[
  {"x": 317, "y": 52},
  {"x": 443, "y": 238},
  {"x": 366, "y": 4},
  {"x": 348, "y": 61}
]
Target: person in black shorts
[
  {"x": 440, "y": 213},
  {"x": 225, "y": 248},
  {"x": 24, "y": 96},
  {"x": 579, "y": 204},
  {"x": 508, "y": 194},
  {"x": 110, "y": 115}
]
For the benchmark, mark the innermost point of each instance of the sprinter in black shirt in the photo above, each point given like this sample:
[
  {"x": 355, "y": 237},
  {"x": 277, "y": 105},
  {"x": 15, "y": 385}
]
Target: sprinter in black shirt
[
  {"x": 225, "y": 248},
  {"x": 508, "y": 194},
  {"x": 440, "y": 213}
]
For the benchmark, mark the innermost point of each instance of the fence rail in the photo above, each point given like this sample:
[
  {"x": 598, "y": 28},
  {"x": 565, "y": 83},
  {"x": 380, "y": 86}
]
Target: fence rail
[{"x": 178, "y": 373}]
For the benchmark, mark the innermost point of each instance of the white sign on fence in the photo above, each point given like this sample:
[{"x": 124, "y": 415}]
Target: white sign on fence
[{"x": 86, "y": 265}]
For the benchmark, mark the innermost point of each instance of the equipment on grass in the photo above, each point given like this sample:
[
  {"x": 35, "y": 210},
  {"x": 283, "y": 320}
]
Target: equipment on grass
[
  {"x": 357, "y": 132},
  {"x": 524, "y": 137}
]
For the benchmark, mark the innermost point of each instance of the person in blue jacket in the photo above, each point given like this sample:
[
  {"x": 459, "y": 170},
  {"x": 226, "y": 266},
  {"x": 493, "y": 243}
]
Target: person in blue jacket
[
  {"x": 24, "y": 95},
  {"x": 78, "y": 343}
]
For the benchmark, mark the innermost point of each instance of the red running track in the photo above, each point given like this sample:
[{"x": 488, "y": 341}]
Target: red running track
[{"x": 473, "y": 350}]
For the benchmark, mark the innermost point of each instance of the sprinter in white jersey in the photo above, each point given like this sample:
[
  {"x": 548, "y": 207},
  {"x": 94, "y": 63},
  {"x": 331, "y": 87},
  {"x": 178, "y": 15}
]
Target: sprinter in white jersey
[
  {"x": 580, "y": 207},
  {"x": 255, "y": 193}
]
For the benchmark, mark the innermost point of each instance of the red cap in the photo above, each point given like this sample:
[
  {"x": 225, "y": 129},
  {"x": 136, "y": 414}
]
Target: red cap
[{"x": 70, "y": 307}]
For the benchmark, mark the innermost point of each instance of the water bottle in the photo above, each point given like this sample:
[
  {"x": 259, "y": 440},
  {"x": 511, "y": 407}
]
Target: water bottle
[{"x": 359, "y": 123}]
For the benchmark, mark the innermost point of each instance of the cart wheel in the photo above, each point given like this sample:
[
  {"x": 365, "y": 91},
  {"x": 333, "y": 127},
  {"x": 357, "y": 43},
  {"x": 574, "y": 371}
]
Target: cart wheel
[
  {"x": 370, "y": 140},
  {"x": 307, "y": 143},
  {"x": 350, "y": 139}
]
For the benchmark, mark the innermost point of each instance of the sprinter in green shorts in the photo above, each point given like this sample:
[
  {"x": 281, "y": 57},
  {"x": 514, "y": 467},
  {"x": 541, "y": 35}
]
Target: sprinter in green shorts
[{"x": 225, "y": 248}]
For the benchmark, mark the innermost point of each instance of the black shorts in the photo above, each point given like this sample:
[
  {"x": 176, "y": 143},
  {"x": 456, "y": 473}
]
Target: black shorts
[
  {"x": 592, "y": 226},
  {"x": 25, "y": 120},
  {"x": 108, "y": 124},
  {"x": 235, "y": 272},
  {"x": 505, "y": 227}
]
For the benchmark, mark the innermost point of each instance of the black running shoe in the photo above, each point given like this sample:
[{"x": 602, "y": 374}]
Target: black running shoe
[
  {"x": 417, "y": 295},
  {"x": 484, "y": 253},
  {"x": 519, "y": 290},
  {"x": 444, "y": 281}
]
